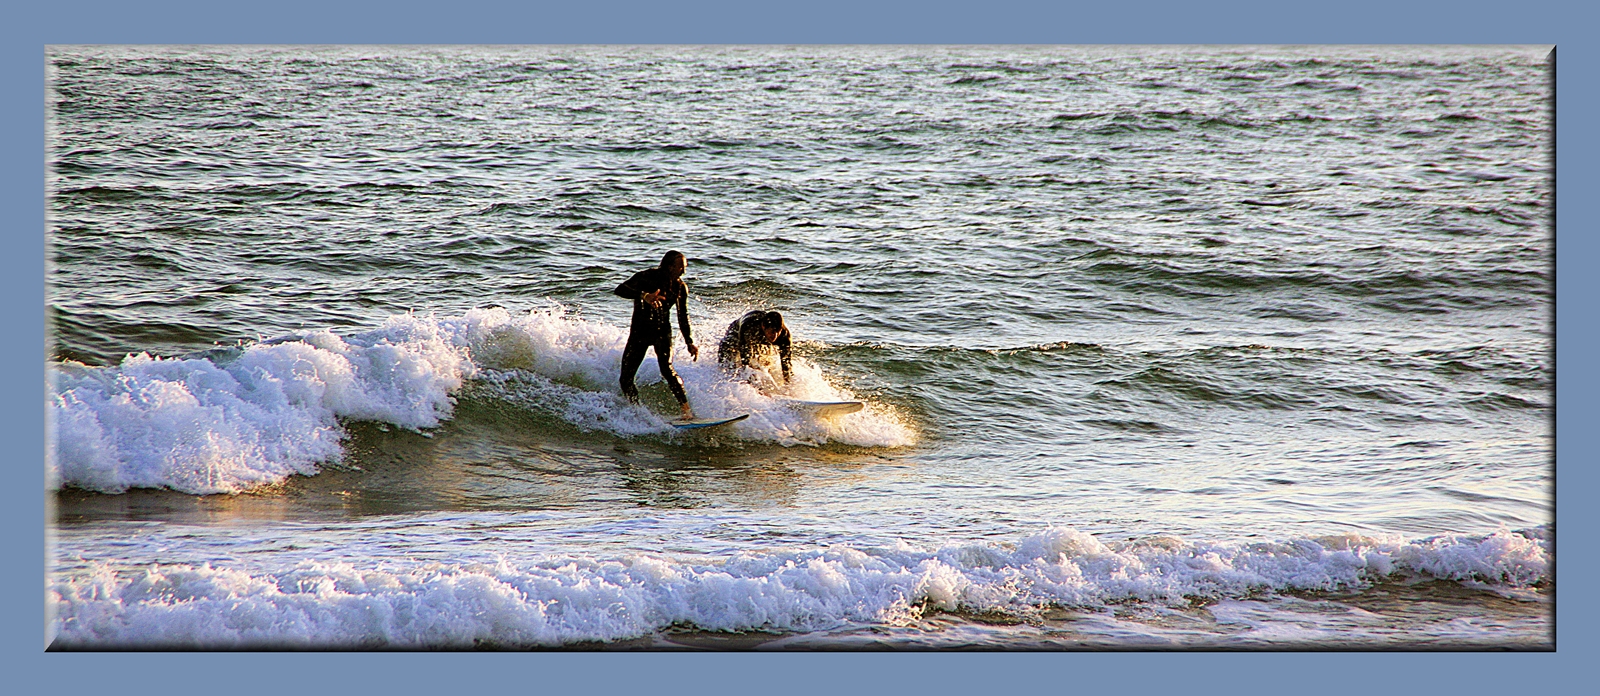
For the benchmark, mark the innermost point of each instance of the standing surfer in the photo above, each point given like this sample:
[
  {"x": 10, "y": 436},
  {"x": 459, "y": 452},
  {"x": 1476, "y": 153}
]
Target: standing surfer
[
  {"x": 654, "y": 291},
  {"x": 756, "y": 329}
]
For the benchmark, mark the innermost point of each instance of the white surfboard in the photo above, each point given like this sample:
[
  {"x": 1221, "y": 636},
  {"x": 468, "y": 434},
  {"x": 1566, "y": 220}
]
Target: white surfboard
[
  {"x": 698, "y": 423},
  {"x": 825, "y": 409}
]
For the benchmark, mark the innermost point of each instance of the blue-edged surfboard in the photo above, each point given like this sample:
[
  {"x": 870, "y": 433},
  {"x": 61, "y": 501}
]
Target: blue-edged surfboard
[{"x": 698, "y": 423}]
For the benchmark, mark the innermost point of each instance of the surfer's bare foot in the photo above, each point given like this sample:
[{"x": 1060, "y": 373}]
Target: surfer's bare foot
[{"x": 687, "y": 413}]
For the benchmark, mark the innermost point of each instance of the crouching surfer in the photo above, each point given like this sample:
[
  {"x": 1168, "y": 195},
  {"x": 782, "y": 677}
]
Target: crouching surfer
[
  {"x": 654, "y": 292},
  {"x": 751, "y": 334}
]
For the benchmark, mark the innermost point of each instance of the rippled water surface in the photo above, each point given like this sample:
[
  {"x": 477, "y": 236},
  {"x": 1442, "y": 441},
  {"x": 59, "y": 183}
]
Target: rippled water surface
[{"x": 1255, "y": 338}]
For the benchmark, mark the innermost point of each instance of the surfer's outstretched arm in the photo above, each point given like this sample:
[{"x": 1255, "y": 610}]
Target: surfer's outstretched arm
[
  {"x": 626, "y": 292},
  {"x": 628, "y": 289}
]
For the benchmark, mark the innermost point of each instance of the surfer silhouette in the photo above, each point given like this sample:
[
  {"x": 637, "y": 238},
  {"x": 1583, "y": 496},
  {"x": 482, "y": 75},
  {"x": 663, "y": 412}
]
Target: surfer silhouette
[
  {"x": 751, "y": 333},
  {"x": 654, "y": 291}
]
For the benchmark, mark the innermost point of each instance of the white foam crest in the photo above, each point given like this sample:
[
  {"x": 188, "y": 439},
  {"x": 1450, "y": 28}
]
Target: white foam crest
[
  {"x": 272, "y": 411},
  {"x": 199, "y": 426},
  {"x": 547, "y": 341},
  {"x": 550, "y": 359},
  {"x": 713, "y": 391},
  {"x": 555, "y": 600}
]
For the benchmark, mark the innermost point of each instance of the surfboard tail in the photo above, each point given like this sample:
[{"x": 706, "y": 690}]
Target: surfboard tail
[{"x": 699, "y": 423}]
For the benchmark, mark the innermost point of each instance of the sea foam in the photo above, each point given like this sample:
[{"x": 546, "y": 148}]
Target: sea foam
[
  {"x": 212, "y": 426},
  {"x": 563, "y": 599},
  {"x": 547, "y": 359},
  {"x": 253, "y": 416}
]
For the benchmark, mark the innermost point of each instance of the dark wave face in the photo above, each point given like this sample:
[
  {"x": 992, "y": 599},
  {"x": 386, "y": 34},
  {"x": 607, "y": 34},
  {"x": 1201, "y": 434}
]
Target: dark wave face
[{"x": 1199, "y": 317}]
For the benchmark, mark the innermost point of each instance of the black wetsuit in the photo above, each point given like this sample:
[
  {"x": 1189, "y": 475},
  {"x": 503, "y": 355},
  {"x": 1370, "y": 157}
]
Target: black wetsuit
[
  {"x": 652, "y": 328},
  {"x": 745, "y": 335}
]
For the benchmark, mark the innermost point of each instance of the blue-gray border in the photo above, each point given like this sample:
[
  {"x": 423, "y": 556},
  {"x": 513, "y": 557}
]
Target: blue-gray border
[{"x": 1566, "y": 25}]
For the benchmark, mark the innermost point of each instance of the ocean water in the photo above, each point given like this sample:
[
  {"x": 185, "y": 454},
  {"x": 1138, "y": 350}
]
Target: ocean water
[{"x": 1161, "y": 347}]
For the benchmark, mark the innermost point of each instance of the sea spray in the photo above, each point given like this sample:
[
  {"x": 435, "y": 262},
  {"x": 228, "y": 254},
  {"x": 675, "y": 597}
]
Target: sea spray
[
  {"x": 548, "y": 359},
  {"x": 271, "y": 410},
  {"x": 202, "y": 426},
  {"x": 555, "y": 599}
]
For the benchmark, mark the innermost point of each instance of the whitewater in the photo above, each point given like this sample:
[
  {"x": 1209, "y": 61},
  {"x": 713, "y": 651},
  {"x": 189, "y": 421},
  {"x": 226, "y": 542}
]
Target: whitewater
[
  {"x": 1241, "y": 347},
  {"x": 236, "y": 418},
  {"x": 551, "y": 601}
]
